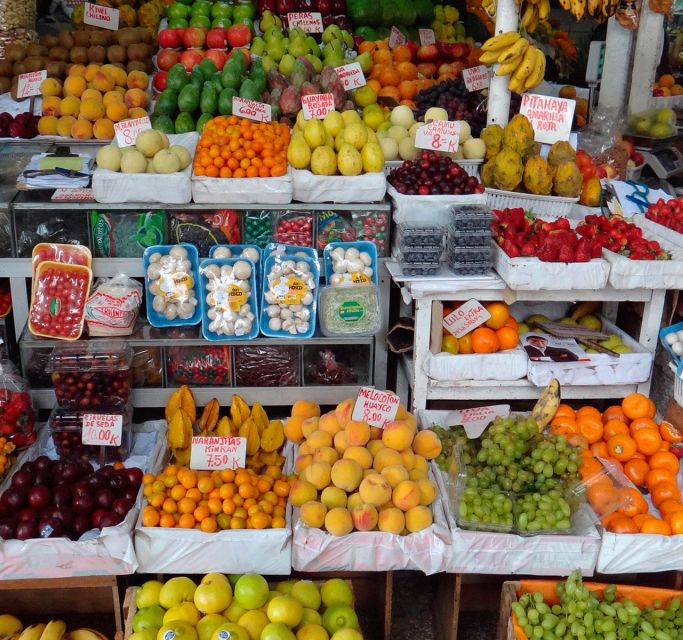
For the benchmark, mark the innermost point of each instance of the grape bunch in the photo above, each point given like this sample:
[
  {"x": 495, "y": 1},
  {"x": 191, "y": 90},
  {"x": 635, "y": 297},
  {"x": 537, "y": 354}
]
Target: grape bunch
[
  {"x": 487, "y": 507},
  {"x": 453, "y": 96},
  {"x": 449, "y": 438},
  {"x": 536, "y": 512}
]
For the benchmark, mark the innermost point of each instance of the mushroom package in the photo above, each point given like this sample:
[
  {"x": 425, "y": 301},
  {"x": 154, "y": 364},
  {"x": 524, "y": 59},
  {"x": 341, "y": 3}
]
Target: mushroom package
[{"x": 348, "y": 263}]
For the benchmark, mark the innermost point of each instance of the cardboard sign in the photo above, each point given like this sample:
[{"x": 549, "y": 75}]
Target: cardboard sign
[
  {"x": 438, "y": 135},
  {"x": 396, "y": 38},
  {"x": 212, "y": 452},
  {"x": 550, "y": 117},
  {"x": 476, "y": 419},
  {"x": 128, "y": 130},
  {"x": 377, "y": 408},
  {"x": 308, "y": 21},
  {"x": 466, "y": 318},
  {"x": 102, "y": 430},
  {"x": 476, "y": 78},
  {"x": 28, "y": 84},
  {"x": 73, "y": 195},
  {"x": 351, "y": 75},
  {"x": 317, "y": 105},
  {"x": 251, "y": 109},
  {"x": 98, "y": 16},
  {"x": 426, "y": 36}
]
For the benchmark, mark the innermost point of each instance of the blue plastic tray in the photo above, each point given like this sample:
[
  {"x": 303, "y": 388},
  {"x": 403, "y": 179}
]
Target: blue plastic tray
[{"x": 361, "y": 245}]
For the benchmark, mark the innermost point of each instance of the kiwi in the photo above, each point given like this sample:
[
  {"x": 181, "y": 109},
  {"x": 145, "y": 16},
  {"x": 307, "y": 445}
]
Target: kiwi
[
  {"x": 81, "y": 38},
  {"x": 136, "y": 65},
  {"x": 49, "y": 40},
  {"x": 137, "y": 52},
  {"x": 145, "y": 35},
  {"x": 18, "y": 68},
  {"x": 34, "y": 63},
  {"x": 36, "y": 50},
  {"x": 66, "y": 39},
  {"x": 127, "y": 36},
  {"x": 79, "y": 55},
  {"x": 55, "y": 69},
  {"x": 5, "y": 69},
  {"x": 100, "y": 38},
  {"x": 15, "y": 52},
  {"x": 5, "y": 85},
  {"x": 58, "y": 53},
  {"x": 97, "y": 54},
  {"x": 116, "y": 53}
]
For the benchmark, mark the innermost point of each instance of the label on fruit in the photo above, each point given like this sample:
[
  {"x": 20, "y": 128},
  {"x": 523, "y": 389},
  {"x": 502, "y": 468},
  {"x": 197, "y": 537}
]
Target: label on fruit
[
  {"x": 212, "y": 452},
  {"x": 102, "y": 430},
  {"x": 28, "y": 84},
  {"x": 251, "y": 109},
  {"x": 127, "y": 132},
  {"x": 99, "y": 16},
  {"x": 308, "y": 21},
  {"x": 476, "y": 78},
  {"x": 351, "y": 75},
  {"x": 467, "y": 317},
  {"x": 438, "y": 135},
  {"x": 550, "y": 117},
  {"x": 73, "y": 195},
  {"x": 476, "y": 419},
  {"x": 396, "y": 38},
  {"x": 317, "y": 105},
  {"x": 377, "y": 408},
  {"x": 426, "y": 36},
  {"x": 289, "y": 290},
  {"x": 228, "y": 297}
]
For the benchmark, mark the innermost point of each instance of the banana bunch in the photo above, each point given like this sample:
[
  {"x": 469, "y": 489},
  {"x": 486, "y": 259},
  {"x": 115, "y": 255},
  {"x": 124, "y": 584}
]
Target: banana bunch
[
  {"x": 533, "y": 12},
  {"x": 517, "y": 57},
  {"x": 600, "y": 10},
  {"x": 490, "y": 7},
  {"x": 11, "y": 628}
]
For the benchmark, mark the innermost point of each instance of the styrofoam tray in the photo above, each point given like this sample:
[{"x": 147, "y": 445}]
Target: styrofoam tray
[
  {"x": 503, "y": 365},
  {"x": 656, "y": 231},
  {"x": 428, "y": 210},
  {"x": 243, "y": 190},
  {"x": 540, "y": 205},
  {"x": 367, "y": 187}
]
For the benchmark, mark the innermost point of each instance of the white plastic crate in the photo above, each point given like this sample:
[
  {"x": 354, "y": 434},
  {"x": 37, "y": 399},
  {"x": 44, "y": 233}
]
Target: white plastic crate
[{"x": 540, "y": 205}]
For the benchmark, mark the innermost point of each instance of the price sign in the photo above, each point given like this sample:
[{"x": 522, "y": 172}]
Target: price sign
[
  {"x": 351, "y": 76},
  {"x": 550, "y": 117},
  {"x": 73, "y": 195},
  {"x": 251, "y": 109},
  {"x": 317, "y": 105},
  {"x": 438, "y": 135},
  {"x": 476, "y": 419},
  {"x": 128, "y": 130},
  {"x": 396, "y": 38},
  {"x": 476, "y": 78},
  {"x": 211, "y": 452},
  {"x": 102, "y": 430},
  {"x": 308, "y": 21},
  {"x": 98, "y": 16},
  {"x": 28, "y": 84},
  {"x": 377, "y": 408},
  {"x": 465, "y": 318},
  {"x": 426, "y": 36}
]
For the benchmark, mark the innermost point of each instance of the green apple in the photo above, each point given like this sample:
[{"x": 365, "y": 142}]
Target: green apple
[
  {"x": 208, "y": 624},
  {"x": 200, "y": 21},
  {"x": 177, "y": 630},
  {"x": 177, "y": 10},
  {"x": 175, "y": 591},
  {"x": 149, "y": 618},
  {"x": 251, "y": 591},
  {"x": 148, "y": 594},
  {"x": 230, "y": 631},
  {"x": 201, "y": 8},
  {"x": 339, "y": 616},
  {"x": 214, "y": 594},
  {"x": 178, "y": 23},
  {"x": 221, "y": 23},
  {"x": 221, "y": 10}
]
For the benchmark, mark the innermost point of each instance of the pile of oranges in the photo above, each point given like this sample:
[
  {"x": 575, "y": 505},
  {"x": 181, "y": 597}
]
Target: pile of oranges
[
  {"x": 498, "y": 333},
  {"x": 666, "y": 85},
  {"x": 629, "y": 437},
  {"x": 232, "y": 147},
  {"x": 215, "y": 500}
]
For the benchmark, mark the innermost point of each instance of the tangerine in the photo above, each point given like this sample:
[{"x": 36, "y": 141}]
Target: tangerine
[{"x": 484, "y": 340}]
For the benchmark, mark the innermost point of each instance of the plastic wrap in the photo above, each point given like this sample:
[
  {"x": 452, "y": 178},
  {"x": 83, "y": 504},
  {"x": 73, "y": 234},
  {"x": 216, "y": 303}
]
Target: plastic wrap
[
  {"x": 258, "y": 227},
  {"x": 293, "y": 227},
  {"x": 198, "y": 366},
  {"x": 146, "y": 367},
  {"x": 267, "y": 366},
  {"x": 16, "y": 407},
  {"x": 64, "y": 253},
  {"x": 34, "y": 227},
  {"x": 354, "y": 310},
  {"x": 349, "y": 263},
  {"x": 336, "y": 364},
  {"x": 5, "y": 234},
  {"x": 117, "y": 234},
  {"x": 367, "y": 187},
  {"x": 242, "y": 190},
  {"x": 113, "y": 306},
  {"x": 205, "y": 230}
]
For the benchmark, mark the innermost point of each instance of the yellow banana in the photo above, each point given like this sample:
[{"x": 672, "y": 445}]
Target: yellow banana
[
  {"x": 515, "y": 85},
  {"x": 546, "y": 407},
  {"x": 509, "y": 67},
  {"x": 86, "y": 634},
  {"x": 501, "y": 41},
  {"x": 578, "y": 9},
  {"x": 594, "y": 8},
  {"x": 9, "y": 626},
  {"x": 526, "y": 66},
  {"x": 535, "y": 77},
  {"x": 54, "y": 630},
  {"x": 543, "y": 10},
  {"x": 527, "y": 14},
  {"x": 33, "y": 632},
  {"x": 514, "y": 51},
  {"x": 533, "y": 24},
  {"x": 489, "y": 57},
  {"x": 566, "y": 4}
]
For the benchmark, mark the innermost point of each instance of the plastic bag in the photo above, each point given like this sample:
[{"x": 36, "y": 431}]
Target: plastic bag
[
  {"x": 16, "y": 408},
  {"x": 199, "y": 365},
  {"x": 204, "y": 230},
  {"x": 146, "y": 367},
  {"x": 126, "y": 234},
  {"x": 294, "y": 227},
  {"x": 40, "y": 227},
  {"x": 603, "y": 131},
  {"x": 328, "y": 369},
  {"x": 267, "y": 366},
  {"x": 112, "y": 308}
]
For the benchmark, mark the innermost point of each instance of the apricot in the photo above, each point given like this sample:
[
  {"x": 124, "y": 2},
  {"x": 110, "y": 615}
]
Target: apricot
[
  {"x": 421, "y": 464},
  {"x": 361, "y": 455},
  {"x": 395, "y": 473},
  {"x": 76, "y": 70},
  {"x": 305, "y": 449},
  {"x": 411, "y": 422},
  {"x": 357, "y": 433},
  {"x": 397, "y": 435},
  {"x": 313, "y": 514},
  {"x": 338, "y": 522},
  {"x": 375, "y": 433},
  {"x": 136, "y": 98},
  {"x": 293, "y": 430},
  {"x": 116, "y": 111},
  {"x": 418, "y": 518},
  {"x": 112, "y": 96},
  {"x": 90, "y": 71},
  {"x": 408, "y": 459},
  {"x": 367, "y": 472},
  {"x": 91, "y": 94},
  {"x": 137, "y": 112},
  {"x": 302, "y": 491},
  {"x": 319, "y": 439},
  {"x": 353, "y": 501},
  {"x": 117, "y": 73},
  {"x": 385, "y": 457},
  {"x": 302, "y": 408},
  {"x": 375, "y": 489},
  {"x": 70, "y": 106},
  {"x": 341, "y": 442},
  {"x": 406, "y": 495},
  {"x": 346, "y": 474},
  {"x": 81, "y": 130},
  {"x": 427, "y": 444},
  {"x": 120, "y": 90},
  {"x": 52, "y": 106},
  {"x": 325, "y": 454},
  {"x": 318, "y": 474},
  {"x": 75, "y": 86},
  {"x": 374, "y": 446},
  {"x": 47, "y": 125},
  {"x": 103, "y": 129},
  {"x": 333, "y": 497},
  {"x": 102, "y": 81},
  {"x": 309, "y": 425},
  {"x": 343, "y": 411},
  {"x": 302, "y": 461},
  {"x": 50, "y": 87},
  {"x": 139, "y": 80},
  {"x": 401, "y": 412},
  {"x": 64, "y": 125},
  {"x": 328, "y": 422},
  {"x": 427, "y": 491},
  {"x": 417, "y": 474},
  {"x": 391, "y": 520},
  {"x": 364, "y": 517}
]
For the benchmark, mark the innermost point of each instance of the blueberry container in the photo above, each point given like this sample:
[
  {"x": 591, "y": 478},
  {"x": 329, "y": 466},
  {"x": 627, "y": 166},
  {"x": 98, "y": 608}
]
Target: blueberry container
[
  {"x": 470, "y": 217},
  {"x": 410, "y": 235},
  {"x": 420, "y": 268},
  {"x": 468, "y": 238},
  {"x": 419, "y": 254},
  {"x": 469, "y": 268},
  {"x": 470, "y": 254},
  {"x": 363, "y": 246}
]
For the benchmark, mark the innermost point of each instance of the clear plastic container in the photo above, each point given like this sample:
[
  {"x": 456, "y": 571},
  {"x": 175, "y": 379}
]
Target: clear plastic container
[
  {"x": 420, "y": 235},
  {"x": 420, "y": 268},
  {"x": 484, "y": 509},
  {"x": 419, "y": 254},
  {"x": 198, "y": 366},
  {"x": 345, "y": 311},
  {"x": 373, "y": 226},
  {"x": 468, "y": 238},
  {"x": 346, "y": 262},
  {"x": 552, "y": 509},
  {"x": 65, "y": 253},
  {"x": 86, "y": 375},
  {"x": 603, "y": 490},
  {"x": 470, "y": 254},
  {"x": 16, "y": 407},
  {"x": 469, "y": 268},
  {"x": 470, "y": 217},
  {"x": 293, "y": 227}
]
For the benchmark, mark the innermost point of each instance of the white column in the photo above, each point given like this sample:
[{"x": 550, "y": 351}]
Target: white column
[
  {"x": 649, "y": 43},
  {"x": 616, "y": 71}
]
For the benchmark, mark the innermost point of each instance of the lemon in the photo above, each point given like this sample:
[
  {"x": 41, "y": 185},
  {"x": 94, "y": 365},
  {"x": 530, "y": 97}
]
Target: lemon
[
  {"x": 312, "y": 632},
  {"x": 186, "y": 612},
  {"x": 364, "y": 96},
  {"x": 285, "y": 609},
  {"x": 254, "y": 622}
]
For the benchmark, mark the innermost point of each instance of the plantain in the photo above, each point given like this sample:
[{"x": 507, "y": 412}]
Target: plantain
[
  {"x": 209, "y": 418},
  {"x": 224, "y": 428},
  {"x": 545, "y": 408},
  {"x": 514, "y": 50},
  {"x": 187, "y": 403},
  {"x": 260, "y": 416},
  {"x": 537, "y": 75},
  {"x": 501, "y": 41},
  {"x": 582, "y": 309},
  {"x": 172, "y": 405}
]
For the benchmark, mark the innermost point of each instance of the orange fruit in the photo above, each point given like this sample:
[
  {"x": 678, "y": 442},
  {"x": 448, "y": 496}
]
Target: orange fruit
[
  {"x": 407, "y": 89},
  {"x": 167, "y": 520},
  {"x": 615, "y": 427},
  {"x": 465, "y": 344},
  {"x": 636, "y": 470},
  {"x": 508, "y": 338},
  {"x": 564, "y": 410},
  {"x": 615, "y": 412},
  {"x": 401, "y": 53},
  {"x": 150, "y": 517},
  {"x": 636, "y": 405},
  {"x": 642, "y": 423},
  {"x": 500, "y": 312},
  {"x": 642, "y": 517},
  {"x": 407, "y": 71},
  {"x": 664, "y": 460},
  {"x": 647, "y": 440},
  {"x": 655, "y": 525},
  {"x": 634, "y": 503},
  {"x": 669, "y": 506},
  {"x": 621, "y": 447},
  {"x": 591, "y": 428},
  {"x": 665, "y": 490},
  {"x": 587, "y": 410},
  {"x": 484, "y": 340},
  {"x": 667, "y": 80},
  {"x": 622, "y": 524},
  {"x": 655, "y": 476},
  {"x": 675, "y": 521}
]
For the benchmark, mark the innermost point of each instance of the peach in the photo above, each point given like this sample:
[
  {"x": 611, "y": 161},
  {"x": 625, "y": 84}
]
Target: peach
[
  {"x": 302, "y": 408},
  {"x": 302, "y": 491},
  {"x": 313, "y": 514},
  {"x": 427, "y": 444},
  {"x": 116, "y": 111},
  {"x": 391, "y": 520},
  {"x": 374, "y": 446},
  {"x": 341, "y": 442},
  {"x": 64, "y": 125},
  {"x": 364, "y": 517},
  {"x": 338, "y": 522},
  {"x": 137, "y": 112},
  {"x": 47, "y": 125},
  {"x": 406, "y": 495},
  {"x": 427, "y": 491},
  {"x": 417, "y": 474},
  {"x": 326, "y": 454},
  {"x": 375, "y": 433},
  {"x": 401, "y": 412},
  {"x": 302, "y": 461},
  {"x": 76, "y": 70},
  {"x": 52, "y": 106},
  {"x": 81, "y": 130},
  {"x": 397, "y": 435},
  {"x": 120, "y": 76},
  {"x": 70, "y": 106},
  {"x": 103, "y": 129},
  {"x": 411, "y": 422},
  {"x": 74, "y": 86},
  {"x": 367, "y": 472},
  {"x": 319, "y": 439},
  {"x": 309, "y": 425},
  {"x": 120, "y": 90},
  {"x": 361, "y": 455},
  {"x": 136, "y": 98},
  {"x": 408, "y": 459},
  {"x": 395, "y": 473},
  {"x": 139, "y": 80},
  {"x": 293, "y": 430},
  {"x": 91, "y": 94},
  {"x": 318, "y": 474},
  {"x": 91, "y": 109},
  {"x": 418, "y": 518},
  {"x": 333, "y": 497},
  {"x": 343, "y": 411},
  {"x": 421, "y": 463},
  {"x": 90, "y": 71},
  {"x": 346, "y": 474},
  {"x": 385, "y": 457},
  {"x": 353, "y": 501},
  {"x": 102, "y": 81},
  {"x": 305, "y": 449},
  {"x": 328, "y": 422},
  {"x": 375, "y": 489},
  {"x": 50, "y": 87},
  {"x": 357, "y": 433}
]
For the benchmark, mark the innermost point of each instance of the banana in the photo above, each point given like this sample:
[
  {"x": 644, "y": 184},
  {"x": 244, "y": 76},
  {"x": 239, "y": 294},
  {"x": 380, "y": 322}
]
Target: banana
[
  {"x": 543, "y": 10},
  {"x": 583, "y": 309},
  {"x": 526, "y": 66},
  {"x": 535, "y": 77},
  {"x": 86, "y": 634},
  {"x": 9, "y": 626},
  {"x": 501, "y": 41},
  {"x": 527, "y": 15},
  {"x": 489, "y": 57},
  {"x": 509, "y": 67},
  {"x": 566, "y": 4},
  {"x": 54, "y": 630},
  {"x": 533, "y": 24},
  {"x": 32, "y": 632},
  {"x": 513, "y": 51},
  {"x": 515, "y": 85},
  {"x": 544, "y": 410},
  {"x": 578, "y": 8}
]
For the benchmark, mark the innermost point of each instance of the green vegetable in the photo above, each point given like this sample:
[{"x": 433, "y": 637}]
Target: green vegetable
[
  {"x": 364, "y": 12},
  {"x": 203, "y": 119},
  {"x": 249, "y": 90},
  {"x": 237, "y": 58},
  {"x": 177, "y": 77},
  {"x": 163, "y": 123},
  {"x": 349, "y": 310},
  {"x": 167, "y": 104},
  {"x": 208, "y": 103},
  {"x": 225, "y": 101},
  {"x": 184, "y": 123},
  {"x": 231, "y": 78},
  {"x": 188, "y": 100},
  {"x": 208, "y": 67},
  {"x": 197, "y": 77},
  {"x": 258, "y": 75},
  {"x": 366, "y": 32}
]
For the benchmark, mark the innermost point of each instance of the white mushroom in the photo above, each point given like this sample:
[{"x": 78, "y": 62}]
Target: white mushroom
[
  {"x": 354, "y": 265},
  {"x": 270, "y": 297},
  {"x": 153, "y": 271},
  {"x": 304, "y": 315},
  {"x": 302, "y": 266},
  {"x": 222, "y": 252},
  {"x": 365, "y": 258},
  {"x": 159, "y": 304},
  {"x": 185, "y": 310},
  {"x": 251, "y": 253},
  {"x": 241, "y": 270},
  {"x": 170, "y": 313},
  {"x": 335, "y": 279},
  {"x": 275, "y": 324},
  {"x": 307, "y": 299},
  {"x": 286, "y": 314},
  {"x": 351, "y": 253},
  {"x": 339, "y": 267},
  {"x": 337, "y": 253},
  {"x": 272, "y": 311},
  {"x": 178, "y": 252},
  {"x": 368, "y": 272},
  {"x": 155, "y": 257}
]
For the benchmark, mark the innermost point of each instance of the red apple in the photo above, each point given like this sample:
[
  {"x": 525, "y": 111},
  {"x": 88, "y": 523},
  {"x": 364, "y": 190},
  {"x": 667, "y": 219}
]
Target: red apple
[
  {"x": 460, "y": 50},
  {"x": 600, "y": 172},
  {"x": 216, "y": 38},
  {"x": 239, "y": 35},
  {"x": 427, "y": 53},
  {"x": 166, "y": 58},
  {"x": 218, "y": 56},
  {"x": 190, "y": 58},
  {"x": 193, "y": 38},
  {"x": 170, "y": 38},
  {"x": 427, "y": 69},
  {"x": 159, "y": 85}
]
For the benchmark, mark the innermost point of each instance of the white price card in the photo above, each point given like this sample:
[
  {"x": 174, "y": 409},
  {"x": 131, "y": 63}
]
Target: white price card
[
  {"x": 467, "y": 317},
  {"x": 212, "y": 452},
  {"x": 98, "y": 16},
  {"x": 351, "y": 75},
  {"x": 308, "y": 21},
  {"x": 438, "y": 135},
  {"x": 476, "y": 78},
  {"x": 396, "y": 37},
  {"x": 317, "y": 105},
  {"x": 550, "y": 117},
  {"x": 426, "y": 36},
  {"x": 82, "y": 194},
  {"x": 102, "y": 430},
  {"x": 377, "y": 408},
  {"x": 476, "y": 419},
  {"x": 28, "y": 84},
  {"x": 128, "y": 130},
  {"x": 251, "y": 109}
]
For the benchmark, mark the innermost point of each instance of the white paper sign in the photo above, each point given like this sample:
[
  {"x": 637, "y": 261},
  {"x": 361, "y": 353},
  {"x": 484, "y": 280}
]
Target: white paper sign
[
  {"x": 467, "y": 317},
  {"x": 212, "y": 452},
  {"x": 377, "y": 408},
  {"x": 351, "y": 75},
  {"x": 426, "y": 36},
  {"x": 251, "y": 109},
  {"x": 128, "y": 130},
  {"x": 476, "y": 419},
  {"x": 98, "y": 16},
  {"x": 317, "y": 105},
  {"x": 28, "y": 84},
  {"x": 476, "y": 78},
  {"x": 308, "y": 21},
  {"x": 396, "y": 38},
  {"x": 438, "y": 135},
  {"x": 550, "y": 117},
  {"x": 102, "y": 430},
  {"x": 73, "y": 195}
]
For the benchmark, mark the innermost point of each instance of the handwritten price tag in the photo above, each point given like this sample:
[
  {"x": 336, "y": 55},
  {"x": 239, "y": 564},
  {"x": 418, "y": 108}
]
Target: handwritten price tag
[
  {"x": 308, "y": 21},
  {"x": 73, "y": 195},
  {"x": 102, "y": 430},
  {"x": 426, "y": 36},
  {"x": 438, "y": 135},
  {"x": 28, "y": 84},
  {"x": 317, "y": 105},
  {"x": 476, "y": 78},
  {"x": 465, "y": 318},
  {"x": 550, "y": 117},
  {"x": 98, "y": 16},
  {"x": 396, "y": 38},
  {"x": 127, "y": 131},
  {"x": 351, "y": 76},
  {"x": 209, "y": 453},
  {"x": 377, "y": 408},
  {"x": 476, "y": 419},
  {"x": 250, "y": 109}
]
